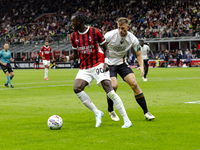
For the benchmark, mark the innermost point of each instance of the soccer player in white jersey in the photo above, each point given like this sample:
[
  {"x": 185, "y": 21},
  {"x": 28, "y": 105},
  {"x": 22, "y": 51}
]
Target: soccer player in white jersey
[
  {"x": 120, "y": 41},
  {"x": 145, "y": 49}
]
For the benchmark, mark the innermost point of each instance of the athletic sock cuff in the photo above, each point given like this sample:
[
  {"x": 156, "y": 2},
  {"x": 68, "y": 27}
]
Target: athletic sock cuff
[
  {"x": 111, "y": 94},
  {"x": 80, "y": 94},
  {"x": 139, "y": 96}
]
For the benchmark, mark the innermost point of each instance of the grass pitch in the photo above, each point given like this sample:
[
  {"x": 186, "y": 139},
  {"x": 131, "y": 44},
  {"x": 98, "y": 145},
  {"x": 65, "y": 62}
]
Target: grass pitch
[{"x": 25, "y": 109}]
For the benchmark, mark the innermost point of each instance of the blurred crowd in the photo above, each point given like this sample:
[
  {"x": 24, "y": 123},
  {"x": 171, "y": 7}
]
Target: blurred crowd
[
  {"x": 36, "y": 21},
  {"x": 23, "y": 22}
]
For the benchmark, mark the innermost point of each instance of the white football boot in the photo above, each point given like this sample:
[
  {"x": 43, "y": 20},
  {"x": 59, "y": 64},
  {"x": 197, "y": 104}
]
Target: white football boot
[
  {"x": 113, "y": 116},
  {"x": 149, "y": 116},
  {"x": 127, "y": 124},
  {"x": 98, "y": 118},
  {"x": 145, "y": 79}
]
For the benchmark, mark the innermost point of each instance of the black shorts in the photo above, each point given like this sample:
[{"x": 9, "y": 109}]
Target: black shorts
[
  {"x": 6, "y": 68},
  {"x": 146, "y": 62},
  {"x": 166, "y": 59},
  {"x": 123, "y": 70}
]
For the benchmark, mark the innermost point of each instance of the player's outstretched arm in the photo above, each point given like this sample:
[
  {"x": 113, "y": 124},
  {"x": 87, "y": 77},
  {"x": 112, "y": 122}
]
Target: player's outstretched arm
[
  {"x": 106, "y": 55},
  {"x": 152, "y": 54},
  {"x": 140, "y": 61}
]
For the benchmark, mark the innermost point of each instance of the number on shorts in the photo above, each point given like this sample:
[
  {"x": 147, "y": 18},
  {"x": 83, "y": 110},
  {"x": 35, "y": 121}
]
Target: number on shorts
[{"x": 99, "y": 70}]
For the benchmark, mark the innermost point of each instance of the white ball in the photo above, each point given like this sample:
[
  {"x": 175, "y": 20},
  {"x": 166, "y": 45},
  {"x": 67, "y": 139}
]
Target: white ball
[{"x": 55, "y": 122}]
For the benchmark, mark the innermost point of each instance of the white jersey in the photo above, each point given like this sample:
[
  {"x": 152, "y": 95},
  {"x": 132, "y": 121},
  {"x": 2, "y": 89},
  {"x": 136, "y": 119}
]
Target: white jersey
[
  {"x": 145, "y": 49},
  {"x": 118, "y": 46}
]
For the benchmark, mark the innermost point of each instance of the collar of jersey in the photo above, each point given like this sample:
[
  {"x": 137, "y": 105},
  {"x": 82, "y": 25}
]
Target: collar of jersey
[{"x": 84, "y": 32}]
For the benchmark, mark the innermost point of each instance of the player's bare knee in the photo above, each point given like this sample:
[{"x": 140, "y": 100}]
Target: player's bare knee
[
  {"x": 115, "y": 86},
  {"x": 134, "y": 85},
  {"x": 77, "y": 89},
  {"x": 106, "y": 85}
]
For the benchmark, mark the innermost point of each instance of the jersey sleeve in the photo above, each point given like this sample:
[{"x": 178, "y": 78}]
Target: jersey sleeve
[
  {"x": 42, "y": 49},
  {"x": 41, "y": 52},
  {"x": 10, "y": 56},
  {"x": 148, "y": 48},
  {"x": 136, "y": 45},
  {"x": 72, "y": 39},
  {"x": 108, "y": 36},
  {"x": 100, "y": 37}
]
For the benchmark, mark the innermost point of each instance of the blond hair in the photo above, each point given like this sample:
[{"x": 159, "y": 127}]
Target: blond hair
[{"x": 122, "y": 20}]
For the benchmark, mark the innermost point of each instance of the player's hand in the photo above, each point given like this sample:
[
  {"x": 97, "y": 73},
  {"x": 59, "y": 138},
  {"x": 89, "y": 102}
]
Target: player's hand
[
  {"x": 142, "y": 70},
  {"x": 11, "y": 59},
  {"x": 4, "y": 64},
  {"x": 43, "y": 58},
  {"x": 105, "y": 67},
  {"x": 63, "y": 58}
]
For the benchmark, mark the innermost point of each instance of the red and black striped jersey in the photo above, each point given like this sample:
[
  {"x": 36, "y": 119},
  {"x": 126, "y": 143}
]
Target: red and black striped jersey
[{"x": 87, "y": 45}]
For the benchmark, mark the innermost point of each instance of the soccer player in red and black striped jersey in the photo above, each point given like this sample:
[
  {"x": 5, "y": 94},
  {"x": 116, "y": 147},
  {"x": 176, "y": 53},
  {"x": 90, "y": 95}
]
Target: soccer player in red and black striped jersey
[{"x": 89, "y": 45}]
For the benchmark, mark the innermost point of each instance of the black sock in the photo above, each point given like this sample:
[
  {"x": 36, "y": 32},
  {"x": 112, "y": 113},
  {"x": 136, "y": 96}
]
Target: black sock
[
  {"x": 141, "y": 101},
  {"x": 110, "y": 105},
  {"x": 146, "y": 71}
]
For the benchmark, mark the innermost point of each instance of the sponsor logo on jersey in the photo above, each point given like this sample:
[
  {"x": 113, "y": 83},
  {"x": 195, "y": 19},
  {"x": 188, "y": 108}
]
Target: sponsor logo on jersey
[{"x": 86, "y": 49}]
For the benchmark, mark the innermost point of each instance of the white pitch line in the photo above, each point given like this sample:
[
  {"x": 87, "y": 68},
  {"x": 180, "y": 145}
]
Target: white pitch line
[
  {"x": 150, "y": 79},
  {"x": 34, "y": 87},
  {"x": 195, "y": 102},
  {"x": 69, "y": 81},
  {"x": 173, "y": 79}
]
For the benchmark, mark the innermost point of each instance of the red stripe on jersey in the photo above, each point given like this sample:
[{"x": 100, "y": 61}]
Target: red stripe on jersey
[
  {"x": 83, "y": 52},
  {"x": 86, "y": 40}
]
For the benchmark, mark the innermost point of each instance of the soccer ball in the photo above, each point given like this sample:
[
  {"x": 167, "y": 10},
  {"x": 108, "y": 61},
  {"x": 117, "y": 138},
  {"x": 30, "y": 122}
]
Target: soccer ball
[{"x": 55, "y": 122}]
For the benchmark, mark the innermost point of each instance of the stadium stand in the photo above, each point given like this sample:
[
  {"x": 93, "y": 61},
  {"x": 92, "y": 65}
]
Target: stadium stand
[{"x": 27, "y": 27}]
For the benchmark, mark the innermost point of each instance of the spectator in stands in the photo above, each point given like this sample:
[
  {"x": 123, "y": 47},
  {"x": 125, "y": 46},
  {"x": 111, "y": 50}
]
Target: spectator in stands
[
  {"x": 131, "y": 59},
  {"x": 195, "y": 53},
  {"x": 187, "y": 52},
  {"x": 171, "y": 60},
  {"x": 187, "y": 61}
]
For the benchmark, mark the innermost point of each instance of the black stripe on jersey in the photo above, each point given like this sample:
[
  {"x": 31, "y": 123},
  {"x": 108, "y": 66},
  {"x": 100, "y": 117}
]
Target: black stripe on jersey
[
  {"x": 95, "y": 46},
  {"x": 91, "y": 53},
  {"x": 100, "y": 39},
  {"x": 79, "y": 45},
  {"x": 73, "y": 40},
  {"x": 85, "y": 54}
]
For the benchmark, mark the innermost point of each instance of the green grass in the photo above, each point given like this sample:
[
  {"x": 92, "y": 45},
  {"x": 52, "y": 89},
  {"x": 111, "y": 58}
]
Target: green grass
[{"x": 25, "y": 109}]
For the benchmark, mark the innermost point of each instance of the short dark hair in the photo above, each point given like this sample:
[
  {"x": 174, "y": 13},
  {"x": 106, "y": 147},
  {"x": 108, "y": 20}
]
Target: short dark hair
[
  {"x": 80, "y": 17},
  {"x": 141, "y": 41}
]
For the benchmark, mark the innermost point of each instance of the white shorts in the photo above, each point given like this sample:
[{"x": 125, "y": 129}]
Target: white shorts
[
  {"x": 46, "y": 62},
  {"x": 96, "y": 73}
]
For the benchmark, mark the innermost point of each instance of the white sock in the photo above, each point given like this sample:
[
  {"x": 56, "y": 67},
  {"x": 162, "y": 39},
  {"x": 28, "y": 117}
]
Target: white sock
[
  {"x": 46, "y": 72},
  {"x": 87, "y": 102},
  {"x": 119, "y": 105}
]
